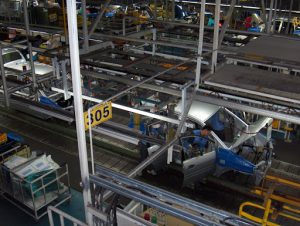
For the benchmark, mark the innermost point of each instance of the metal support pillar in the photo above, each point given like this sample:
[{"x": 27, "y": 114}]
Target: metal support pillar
[
  {"x": 226, "y": 22},
  {"x": 32, "y": 65},
  {"x": 4, "y": 84},
  {"x": 264, "y": 15},
  {"x": 270, "y": 17},
  {"x": 84, "y": 27},
  {"x": 98, "y": 18},
  {"x": 167, "y": 9},
  {"x": 65, "y": 21},
  {"x": 63, "y": 65},
  {"x": 55, "y": 65},
  {"x": 155, "y": 9},
  {"x": 26, "y": 21},
  {"x": 124, "y": 25},
  {"x": 80, "y": 129},
  {"x": 154, "y": 31},
  {"x": 200, "y": 43},
  {"x": 28, "y": 43},
  {"x": 275, "y": 14},
  {"x": 216, "y": 37},
  {"x": 173, "y": 10},
  {"x": 290, "y": 16}
]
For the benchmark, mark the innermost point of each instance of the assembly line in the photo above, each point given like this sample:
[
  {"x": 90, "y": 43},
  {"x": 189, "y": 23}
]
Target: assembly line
[{"x": 143, "y": 107}]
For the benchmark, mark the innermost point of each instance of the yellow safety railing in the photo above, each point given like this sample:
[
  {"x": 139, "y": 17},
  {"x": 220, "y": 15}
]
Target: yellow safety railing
[
  {"x": 290, "y": 207},
  {"x": 263, "y": 221}
]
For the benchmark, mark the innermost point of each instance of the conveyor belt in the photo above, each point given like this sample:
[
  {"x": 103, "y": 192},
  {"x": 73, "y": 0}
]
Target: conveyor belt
[
  {"x": 40, "y": 110},
  {"x": 64, "y": 142}
]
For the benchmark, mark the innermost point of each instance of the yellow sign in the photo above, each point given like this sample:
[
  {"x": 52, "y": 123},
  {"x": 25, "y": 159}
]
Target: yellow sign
[{"x": 99, "y": 114}]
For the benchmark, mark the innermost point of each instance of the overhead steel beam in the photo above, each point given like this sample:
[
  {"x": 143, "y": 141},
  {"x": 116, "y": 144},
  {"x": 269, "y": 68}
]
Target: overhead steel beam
[
  {"x": 226, "y": 22},
  {"x": 125, "y": 108},
  {"x": 98, "y": 18},
  {"x": 144, "y": 81},
  {"x": 157, "y": 88},
  {"x": 227, "y": 5},
  {"x": 126, "y": 38}
]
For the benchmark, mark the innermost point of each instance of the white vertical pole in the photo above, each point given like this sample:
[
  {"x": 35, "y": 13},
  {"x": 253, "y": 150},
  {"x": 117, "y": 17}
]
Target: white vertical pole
[
  {"x": 216, "y": 37},
  {"x": 80, "y": 129},
  {"x": 200, "y": 43}
]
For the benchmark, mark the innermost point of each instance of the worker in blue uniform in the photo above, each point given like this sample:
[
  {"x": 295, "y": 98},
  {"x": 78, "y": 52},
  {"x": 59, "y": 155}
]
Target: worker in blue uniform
[
  {"x": 196, "y": 143},
  {"x": 201, "y": 138}
]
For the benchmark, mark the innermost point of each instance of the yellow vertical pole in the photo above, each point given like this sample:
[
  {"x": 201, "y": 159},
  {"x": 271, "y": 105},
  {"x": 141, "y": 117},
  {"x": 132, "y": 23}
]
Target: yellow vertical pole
[
  {"x": 266, "y": 213},
  {"x": 137, "y": 120}
]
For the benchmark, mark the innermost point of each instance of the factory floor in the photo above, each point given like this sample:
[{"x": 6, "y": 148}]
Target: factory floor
[{"x": 11, "y": 216}]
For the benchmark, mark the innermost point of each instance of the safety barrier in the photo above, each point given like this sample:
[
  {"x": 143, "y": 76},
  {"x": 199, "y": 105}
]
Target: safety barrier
[{"x": 62, "y": 217}]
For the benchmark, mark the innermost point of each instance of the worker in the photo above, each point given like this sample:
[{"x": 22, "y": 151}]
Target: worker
[
  {"x": 197, "y": 143},
  {"x": 248, "y": 22},
  {"x": 201, "y": 138},
  {"x": 211, "y": 22},
  {"x": 38, "y": 40}
]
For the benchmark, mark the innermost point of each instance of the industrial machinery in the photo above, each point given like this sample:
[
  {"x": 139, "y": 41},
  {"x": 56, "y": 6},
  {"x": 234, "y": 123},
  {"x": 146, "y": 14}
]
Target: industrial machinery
[{"x": 243, "y": 149}]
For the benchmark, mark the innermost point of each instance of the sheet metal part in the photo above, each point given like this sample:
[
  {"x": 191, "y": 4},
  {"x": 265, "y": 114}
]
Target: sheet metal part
[{"x": 246, "y": 108}]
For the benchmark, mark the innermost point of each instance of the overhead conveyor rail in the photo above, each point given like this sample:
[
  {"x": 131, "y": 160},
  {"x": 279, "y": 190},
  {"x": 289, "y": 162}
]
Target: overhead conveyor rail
[
  {"x": 167, "y": 202},
  {"x": 41, "y": 110}
]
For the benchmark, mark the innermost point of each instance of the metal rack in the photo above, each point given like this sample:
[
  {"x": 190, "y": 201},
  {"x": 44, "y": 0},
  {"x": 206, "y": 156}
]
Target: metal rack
[{"x": 50, "y": 187}]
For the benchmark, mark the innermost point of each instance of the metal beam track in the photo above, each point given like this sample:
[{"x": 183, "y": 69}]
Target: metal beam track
[{"x": 186, "y": 209}]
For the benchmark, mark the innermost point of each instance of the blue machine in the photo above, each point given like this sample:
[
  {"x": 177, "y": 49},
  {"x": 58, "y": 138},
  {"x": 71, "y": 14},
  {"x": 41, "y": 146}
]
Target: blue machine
[
  {"x": 228, "y": 159},
  {"x": 179, "y": 12},
  {"x": 46, "y": 101},
  {"x": 296, "y": 32},
  {"x": 14, "y": 137},
  {"x": 254, "y": 29},
  {"x": 111, "y": 14}
]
